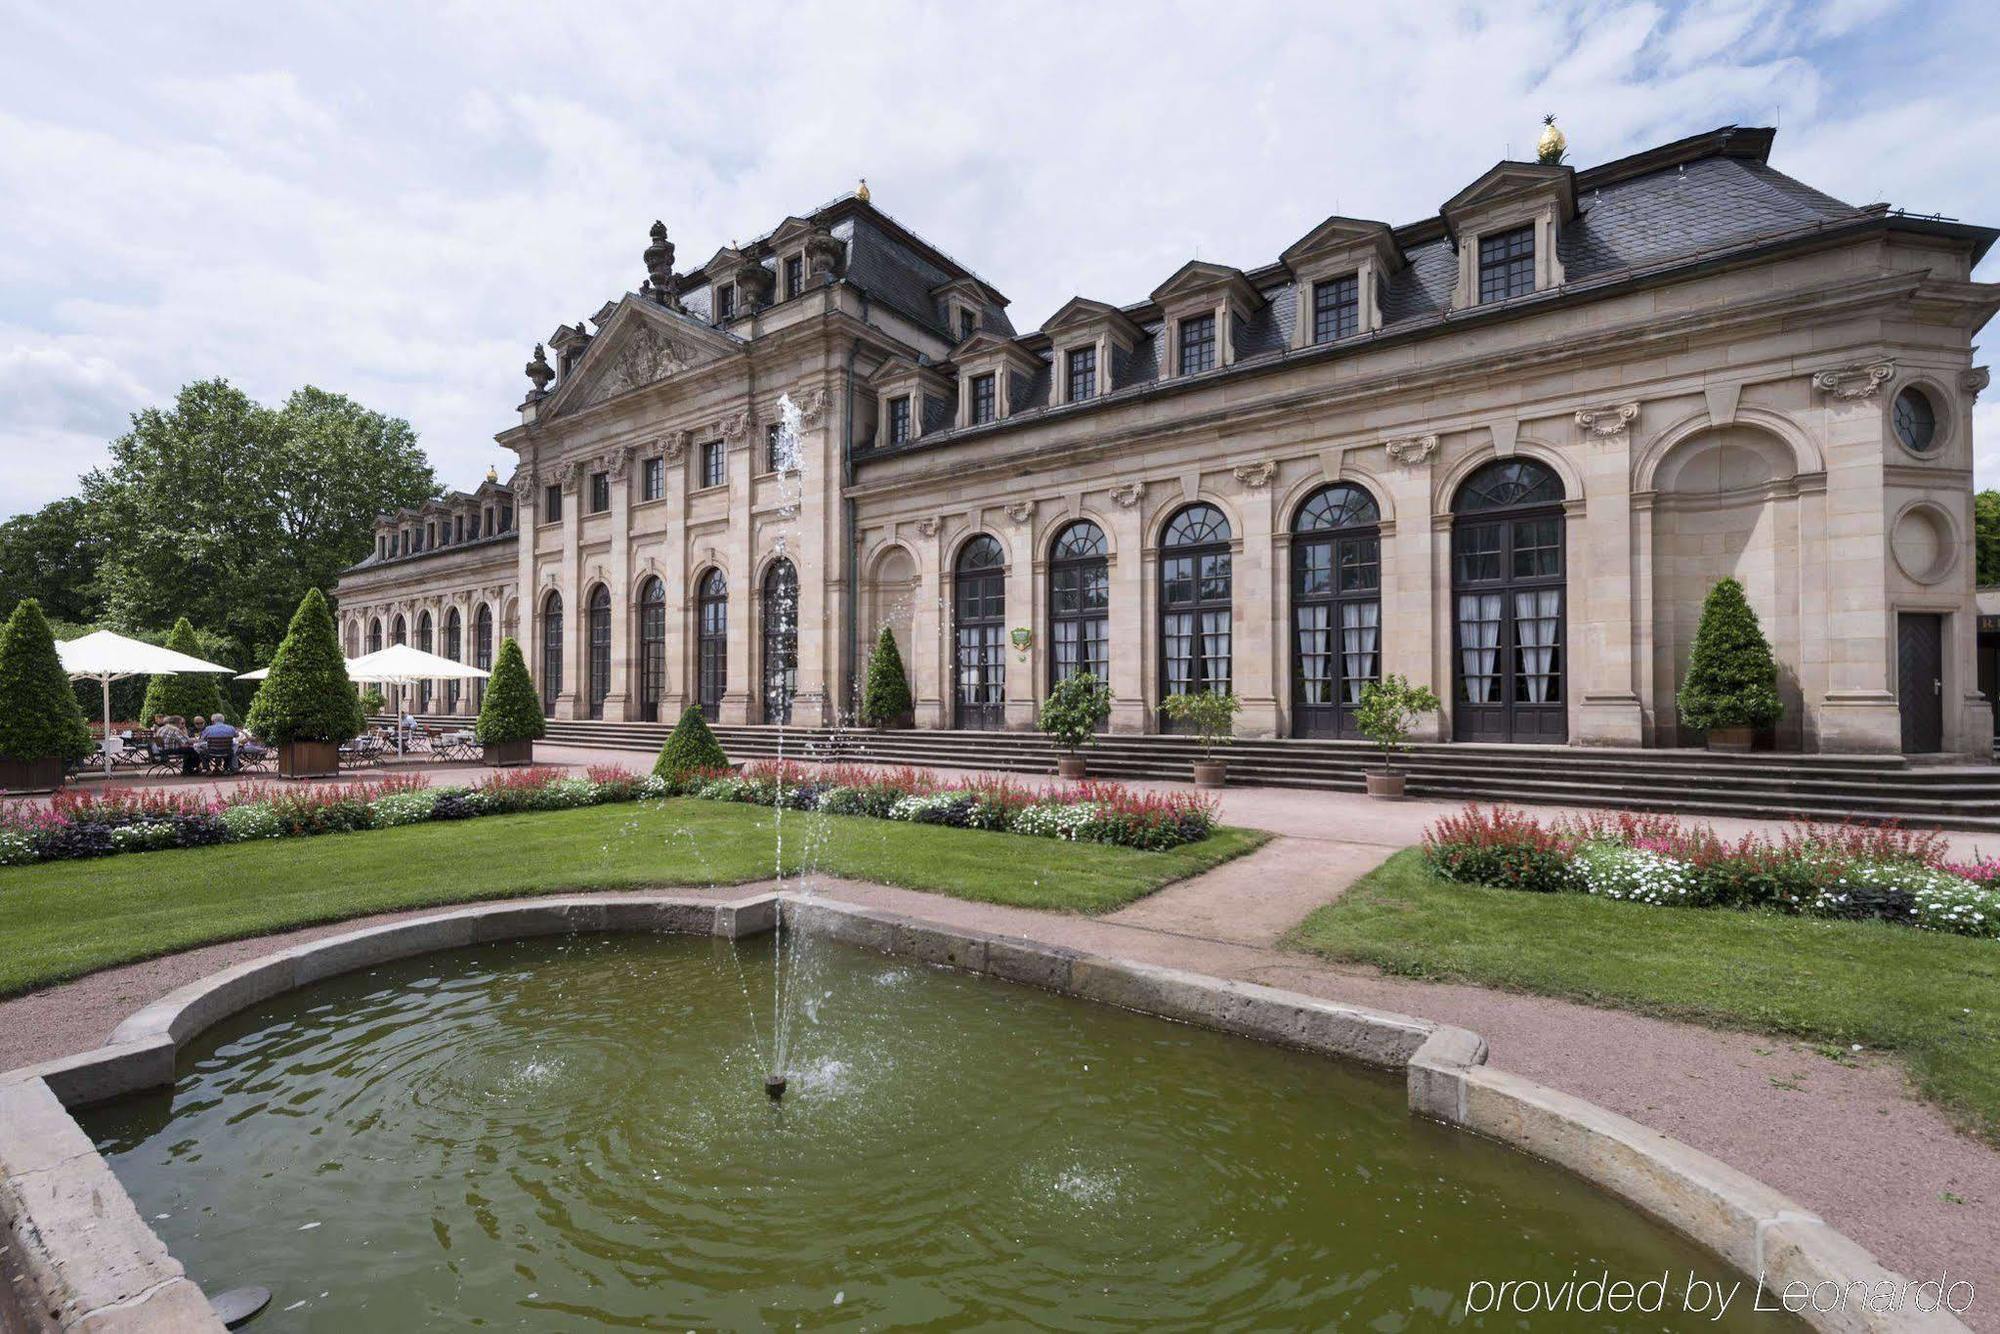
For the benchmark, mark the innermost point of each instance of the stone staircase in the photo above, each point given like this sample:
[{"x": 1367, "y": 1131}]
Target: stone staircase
[{"x": 1764, "y": 785}]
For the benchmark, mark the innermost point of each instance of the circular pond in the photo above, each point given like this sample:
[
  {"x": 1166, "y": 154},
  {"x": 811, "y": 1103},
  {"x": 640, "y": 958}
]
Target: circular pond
[{"x": 572, "y": 1134}]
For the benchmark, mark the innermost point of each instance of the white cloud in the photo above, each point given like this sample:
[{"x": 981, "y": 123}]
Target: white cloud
[{"x": 397, "y": 203}]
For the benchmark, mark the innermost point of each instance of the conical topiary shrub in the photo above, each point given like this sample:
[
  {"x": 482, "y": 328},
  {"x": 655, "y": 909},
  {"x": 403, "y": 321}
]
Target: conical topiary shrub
[
  {"x": 690, "y": 750},
  {"x": 306, "y": 706},
  {"x": 189, "y": 695},
  {"x": 41, "y": 724},
  {"x": 510, "y": 715},
  {"x": 885, "y": 700},
  {"x": 1732, "y": 680}
]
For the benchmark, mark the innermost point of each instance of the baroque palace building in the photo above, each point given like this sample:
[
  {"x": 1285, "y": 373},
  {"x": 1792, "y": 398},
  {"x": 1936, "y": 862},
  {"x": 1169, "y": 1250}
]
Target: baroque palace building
[{"x": 1504, "y": 450}]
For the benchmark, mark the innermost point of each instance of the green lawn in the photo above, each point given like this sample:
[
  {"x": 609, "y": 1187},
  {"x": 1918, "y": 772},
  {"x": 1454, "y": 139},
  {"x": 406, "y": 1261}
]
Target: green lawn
[
  {"x": 63, "y": 919},
  {"x": 1933, "y": 999}
]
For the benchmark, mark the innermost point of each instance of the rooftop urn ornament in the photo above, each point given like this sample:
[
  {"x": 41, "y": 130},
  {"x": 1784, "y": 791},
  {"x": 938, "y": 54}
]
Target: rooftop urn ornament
[
  {"x": 492, "y": 474},
  {"x": 861, "y": 190},
  {"x": 540, "y": 371},
  {"x": 1549, "y": 150},
  {"x": 660, "y": 264}
]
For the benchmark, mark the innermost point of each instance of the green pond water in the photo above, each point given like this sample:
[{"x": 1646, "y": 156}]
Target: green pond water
[{"x": 572, "y": 1134}]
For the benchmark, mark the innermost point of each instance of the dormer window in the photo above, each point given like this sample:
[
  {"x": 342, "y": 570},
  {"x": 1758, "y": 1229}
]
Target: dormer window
[
  {"x": 1336, "y": 308},
  {"x": 1197, "y": 345},
  {"x": 985, "y": 398},
  {"x": 899, "y": 420},
  {"x": 725, "y": 302},
  {"x": 1082, "y": 374},
  {"x": 795, "y": 276},
  {"x": 1507, "y": 264},
  {"x": 968, "y": 322},
  {"x": 430, "y": 535}
]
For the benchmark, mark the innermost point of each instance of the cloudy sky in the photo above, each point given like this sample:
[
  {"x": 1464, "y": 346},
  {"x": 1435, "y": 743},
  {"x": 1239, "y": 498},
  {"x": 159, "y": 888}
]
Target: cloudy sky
[{"x": 396, "y": 202}]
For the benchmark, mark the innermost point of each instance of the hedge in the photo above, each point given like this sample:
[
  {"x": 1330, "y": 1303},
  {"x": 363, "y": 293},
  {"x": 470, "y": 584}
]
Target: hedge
[
  {"x": 39, "y": 716},
  {"x": 511, "y": 710},
  {"x": 307, "y": 697}
]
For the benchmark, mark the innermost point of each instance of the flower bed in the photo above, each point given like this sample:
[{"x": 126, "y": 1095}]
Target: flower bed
[
  {"x": 76, "y": 824},
  {"x": 1857, "y": 872}
]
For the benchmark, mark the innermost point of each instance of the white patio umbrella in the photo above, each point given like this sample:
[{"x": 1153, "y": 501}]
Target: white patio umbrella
[
  {"x": 105, "y": 657},
  {"x": 401, "y": 665},
  {"x": 257, "y": 675}
]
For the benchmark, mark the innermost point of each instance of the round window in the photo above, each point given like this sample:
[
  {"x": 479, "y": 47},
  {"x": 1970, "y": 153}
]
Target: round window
[{"x": 1916, "y": 421}]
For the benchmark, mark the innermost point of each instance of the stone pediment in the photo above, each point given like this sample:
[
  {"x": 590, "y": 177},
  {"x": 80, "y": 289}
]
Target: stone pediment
[
  {"x": 640, "y": 344},
  {"x": 1342, "y": 238},
  {"x": 1508, "y": 183},
  {"x": 1080, "y": 312},
  {"x": 1199, "y": 279}
]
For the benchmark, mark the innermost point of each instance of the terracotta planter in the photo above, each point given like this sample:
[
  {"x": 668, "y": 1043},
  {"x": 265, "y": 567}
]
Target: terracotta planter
[
  {"x": 509, "y": 754},
  {"x": 31, "y": 775},
  {"x": 309, "y": 759},
  {"x": 1731, "y": 740},
  {"x": 1210, "y": 773},
  {"x": 1071, "y": 767},
  {"x": 1388, "y": 787}
]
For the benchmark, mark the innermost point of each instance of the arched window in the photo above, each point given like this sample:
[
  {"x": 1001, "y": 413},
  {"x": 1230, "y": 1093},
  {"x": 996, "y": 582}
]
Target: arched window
[
  {"x": 597, "y": 623},
  {"x": 552, "y": 650},
  {"x": 424, "y": 645},
  {"x": 454, "y": 648},
  {"x": 652, "y": 648},
  {"x": 375, "y": 635},
  {"x": 1195, "y": 603},
  {"x": 1336, "y": 608},
  {"x": 781, "y": 640},
  {"x": 979, "y": 634},
  {"x": 399, "y": 633},
  {"x": 711, "y": 643},
  {"x": 1080, "y": 603},
  {"x": 351, "y": 641},
  {"x": 482, "y": 649},
  {"x": 1508, "y": 595}
]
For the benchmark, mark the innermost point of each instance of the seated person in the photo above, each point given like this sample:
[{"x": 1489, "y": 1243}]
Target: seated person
[{"x": 220, "y": 739}]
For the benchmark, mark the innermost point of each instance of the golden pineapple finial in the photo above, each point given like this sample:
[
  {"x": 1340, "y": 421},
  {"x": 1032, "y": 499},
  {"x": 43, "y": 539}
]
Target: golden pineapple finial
[
  {"x": 1553, "y": 145},
  {"x": 861, "y": 190}
]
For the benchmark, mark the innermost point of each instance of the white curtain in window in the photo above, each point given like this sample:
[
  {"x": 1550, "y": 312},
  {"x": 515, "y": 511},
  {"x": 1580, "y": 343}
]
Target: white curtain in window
[
  {"x": 1479, "y": 645},
  {"x": 1360, "y": 638},
  {"x": 1535, "y": 631}
]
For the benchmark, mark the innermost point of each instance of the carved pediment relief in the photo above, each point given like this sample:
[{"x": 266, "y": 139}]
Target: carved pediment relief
[{"x": 636, "y": 348}]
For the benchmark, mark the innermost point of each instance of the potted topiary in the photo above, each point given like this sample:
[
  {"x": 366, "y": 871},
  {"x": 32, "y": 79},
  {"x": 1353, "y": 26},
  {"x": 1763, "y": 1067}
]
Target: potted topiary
[
  {"x": 510, "y": 717},
  {"x": 885, "y": 702},
  {"x": 1387, "y": 714},
  {"x": 182, "y": 694},
  {"x": 1072, "y": 714},
  {"x": 1211, "y": 716},
  {"x": 1732, "y": 680},
  {"x": 41, "y": 725},
  {"x": 307, "y": 706},
  {"x": 691, "y": 749}
]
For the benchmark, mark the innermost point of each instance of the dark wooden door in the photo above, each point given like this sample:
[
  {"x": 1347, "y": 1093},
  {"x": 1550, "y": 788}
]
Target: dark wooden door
[
  {"x": 1920, "y": 680},
  {"x": 979, "y": 637},
  {"x": 1508, "y": 629}
]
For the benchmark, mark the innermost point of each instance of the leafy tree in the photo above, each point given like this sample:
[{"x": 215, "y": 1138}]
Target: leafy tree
[
  {"x": 39, "y": 715},
  {"x": 1389, "y": 710},
  {"x": 511, "y": 710},
  {"x": 52, "y": 555},
  {"x": 1076, "y": 707},
  {"x": 1986, "y": 537},
  {"x": 886, "y": 700},
  {"x": 226, "y": 512},
  {"x": 1732, "y": 679},
  {"x": 1210, "y": 714},
  {"x": 691, "y": 749},
  {"x": 188, "y": 694},
  {"x": 307, "y": 696}
]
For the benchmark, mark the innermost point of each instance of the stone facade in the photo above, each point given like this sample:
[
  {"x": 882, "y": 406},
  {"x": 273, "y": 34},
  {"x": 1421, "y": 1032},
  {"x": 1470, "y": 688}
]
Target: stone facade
[{"x": 1566, "y": 406}]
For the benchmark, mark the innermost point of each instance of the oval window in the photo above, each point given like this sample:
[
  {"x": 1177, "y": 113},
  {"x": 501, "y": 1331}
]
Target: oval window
[{"x": 1916, "y": 421}]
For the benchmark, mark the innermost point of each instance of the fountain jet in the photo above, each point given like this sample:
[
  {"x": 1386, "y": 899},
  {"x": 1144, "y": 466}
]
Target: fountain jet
[{"x": 774, "y": 1087}]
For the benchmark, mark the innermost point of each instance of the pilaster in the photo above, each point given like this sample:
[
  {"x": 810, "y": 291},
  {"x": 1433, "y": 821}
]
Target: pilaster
[
  {"x": 1257, "y": 606},
  {"x": 1599, "y": 565},
  {"x": 618, "y": 701},
  {"x": 569, "y": 582},
  {"x": 1129, "y": 640}
]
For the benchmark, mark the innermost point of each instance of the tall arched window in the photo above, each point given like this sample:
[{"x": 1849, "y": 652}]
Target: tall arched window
[
  {"x": 482, "y": 649},
  {"x": 399, "y": 633},
  {"x": 1195, "y": 603},
  {"x": 781, "y": 640},
  {"x": 652, "y": 648},
  {"x": 1336, "y": 608},
  {"x": 979, "y": 634},
  {"x": 597, "y": 624},
  {"x": 351, "y": 641},
  {"x": 1080, "y": 603},
  {"x": 552, "y": 650},
  {"x": 1507, "y": 597},
  {"x": 424, "y": 645},
  {"x": 711, "y": 643},
  {"x": 454, "y": 648},
  {"x": 375, "y": 635}
]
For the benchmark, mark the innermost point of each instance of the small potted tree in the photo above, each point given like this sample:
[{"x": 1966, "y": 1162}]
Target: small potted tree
[
  {"x": 510, "y": 717},
  {"x": 307, "y": 706},
  {"x": 885, "y": 702},
  {"x": 1211, "y": 716},
  {"x": 1072, "y": 714},
  {"x": 41, "y": 725},
  {"x": 1387, "y": 714},
  {"x": 690, "y": 749},
  {"x": 1732, "y": 680}
]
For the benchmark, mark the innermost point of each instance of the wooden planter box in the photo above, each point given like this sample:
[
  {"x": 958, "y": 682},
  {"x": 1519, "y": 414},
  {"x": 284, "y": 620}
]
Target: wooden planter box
[
  {"x": 309, "y": 759},
  {"x": 1210, "y": 773},
  {"x": 31, "y": 775},
  {"x": 1388, "y": 787},
  {"x": 509, "y": 754},
  {"x": 1731, "y": 740}
]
